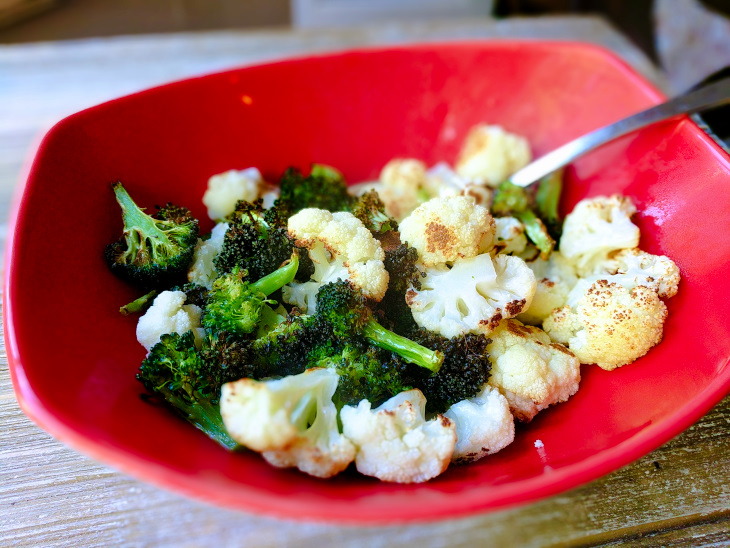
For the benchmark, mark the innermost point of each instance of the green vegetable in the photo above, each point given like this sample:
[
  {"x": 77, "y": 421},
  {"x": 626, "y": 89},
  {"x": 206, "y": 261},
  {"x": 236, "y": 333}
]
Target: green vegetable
[
  {"x": 236, "y": 306},
  {"x": 345, "y": 309},
  {"x": 154, "y": 251},
  {"x": 138, "y": 304},
  {"x": 323, "y": 188},
  {"x": 175, "y": 371}
]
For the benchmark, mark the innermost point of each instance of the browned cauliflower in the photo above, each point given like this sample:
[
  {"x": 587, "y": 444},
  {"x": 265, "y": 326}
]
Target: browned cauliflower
[
  {"x": 530, "y": 370},
  {"x": 490, "y": 155},
  {"x": 341, "y": 248},
  {"x": 446, "y": 229},
  {"x": 609, "y": 325}
]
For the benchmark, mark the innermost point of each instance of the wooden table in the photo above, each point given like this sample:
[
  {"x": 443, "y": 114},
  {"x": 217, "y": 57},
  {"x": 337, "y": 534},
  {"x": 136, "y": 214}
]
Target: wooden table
[{"x": 52, "y": 496}]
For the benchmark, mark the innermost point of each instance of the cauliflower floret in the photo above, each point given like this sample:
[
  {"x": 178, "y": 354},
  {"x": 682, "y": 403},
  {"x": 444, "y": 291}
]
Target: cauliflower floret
[
  {"x": 484, "y": 425},
  {"x": 168, "y": 314},
  {"x": 633, "y": 267},
  {"x": 472, "y": 296},
  {"x": 490, "y": 155},
  {"x": 202, "y": 271},
  {"x": 609, "y": 325},
  {"x": 530, "y": 370},
  {"x": 509, "y": 236},
  {"x": 596, "y": 227},
  {"x": 555, "y": 279},
  {"x": 291, "y": 421},
  {"x": 446, "y": 229},
  {"x": 444, "y": 181},
  {"x": 341, "y": 248},
  {"x": 395, "y": 442},
  {"x": 404, "y": 186},
  {"x": 225, "y": 189}
]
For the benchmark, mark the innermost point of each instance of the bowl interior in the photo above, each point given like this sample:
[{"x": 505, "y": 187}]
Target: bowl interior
[{"x": 74, "y": 357}]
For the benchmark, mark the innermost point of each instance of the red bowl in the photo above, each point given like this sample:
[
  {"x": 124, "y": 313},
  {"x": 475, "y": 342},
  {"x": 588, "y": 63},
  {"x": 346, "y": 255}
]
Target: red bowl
[{"x": 73, "y": 357}]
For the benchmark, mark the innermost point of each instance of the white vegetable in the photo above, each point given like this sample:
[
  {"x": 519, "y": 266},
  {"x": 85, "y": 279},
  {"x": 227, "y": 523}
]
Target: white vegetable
[
  {"x": 509, "y": 236},
  {"x": 395, "y": 442},
  {"x": 446, "y": 229},
  {"x": 596, "y": 227},
  {"x": 608, "y": 324},
  {"x": 225, "y": 189},
  {"x": 472, "y": 296},
  {"x": 169, "y": 314},
  {"x": 490, "y": 155},
  {"x": 555, "y": 277},
  {"x": 291, "y": 421},
  {"x": 341, "y": 248},
  {"x": 484, "y": 425},
  {"x": 203, "y": 271},
  {"x": 530, "y": 370}
]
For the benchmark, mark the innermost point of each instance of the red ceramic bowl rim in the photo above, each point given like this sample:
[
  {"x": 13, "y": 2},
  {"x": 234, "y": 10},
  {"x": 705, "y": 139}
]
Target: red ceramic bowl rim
[{"x": 259, "y": 502}]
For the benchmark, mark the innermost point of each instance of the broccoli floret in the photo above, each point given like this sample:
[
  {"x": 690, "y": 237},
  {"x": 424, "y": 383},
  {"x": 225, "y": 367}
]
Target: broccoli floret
[
  {"x": 513, "y": 200},
  {"x": 174, "y": 370},
  {"x": 232, "y": 358},
  {"x": 400, "y": 262},
  {"x": 366, "y": 373},
  {"x": 323, "y": 188},
  {"x": 194, "y": 294},
  {"x": 155, "y": 251},
  {"x": 258, "y": 242},
  {"x": 236, "y": 306},
  {"x": 465, "y": 370},
  {"x": 370, "y": 209},
  {"x": 345, "y": 309}
]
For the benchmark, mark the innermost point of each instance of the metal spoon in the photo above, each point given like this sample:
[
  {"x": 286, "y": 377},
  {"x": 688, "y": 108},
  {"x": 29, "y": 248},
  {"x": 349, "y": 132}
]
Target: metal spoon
[{"x": 712, "y": 95}]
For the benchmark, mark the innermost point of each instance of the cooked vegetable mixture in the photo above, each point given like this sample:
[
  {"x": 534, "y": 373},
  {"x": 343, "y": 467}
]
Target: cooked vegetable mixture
[{"x": 402, "y": 324}]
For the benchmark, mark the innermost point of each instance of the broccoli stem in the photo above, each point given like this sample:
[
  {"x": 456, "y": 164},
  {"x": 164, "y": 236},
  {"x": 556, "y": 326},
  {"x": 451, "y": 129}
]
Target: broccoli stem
[
  {"x": 278, "y": 278},
  {"x": 547, "y": 197},
  {"x": 138, "y": 304},
  {"x": 537, "y": 232},
  {"x": 204, "y": 415},
  {"x": 410, "y": 351},
  {"x": 134, "y": 216}
]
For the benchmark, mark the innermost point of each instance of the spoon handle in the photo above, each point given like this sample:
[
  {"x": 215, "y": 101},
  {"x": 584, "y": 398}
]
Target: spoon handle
[{"x": 715, "y": 94}]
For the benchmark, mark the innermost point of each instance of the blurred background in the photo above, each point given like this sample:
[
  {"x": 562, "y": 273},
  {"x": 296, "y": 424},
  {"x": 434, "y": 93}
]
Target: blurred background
[{"x": 689, "y": 39}]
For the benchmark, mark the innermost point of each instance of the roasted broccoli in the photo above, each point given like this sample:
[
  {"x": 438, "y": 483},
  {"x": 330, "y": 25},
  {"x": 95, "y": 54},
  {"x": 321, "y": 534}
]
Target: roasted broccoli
[
  {"x": 400, "y": 262},
  {"x": 139, "y": 304},
  {"x": 257, "y": 241},
  {"x": 174, "y": 370},
  {"x": 235, "y": 306},
  {"x": 155, "y": 251},
  {"x": 345, "y": 309},
  {"x": 366, "y": 372},
  {"x": 465, "y": 370},
  {"x": 513, "y": 200},
  {"x": 370, "y": 209},
  {"x": 323, "y": 188}
]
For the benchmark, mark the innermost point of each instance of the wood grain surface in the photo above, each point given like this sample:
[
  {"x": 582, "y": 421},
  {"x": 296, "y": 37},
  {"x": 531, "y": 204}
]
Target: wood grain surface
[{"x": 679, "y": 495}]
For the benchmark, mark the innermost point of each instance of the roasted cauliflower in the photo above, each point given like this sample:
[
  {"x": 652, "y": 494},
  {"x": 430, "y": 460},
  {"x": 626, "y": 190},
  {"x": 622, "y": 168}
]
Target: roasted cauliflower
[
  {"x": 446, "y": 229},
  {"x": 226, "y": 189},
  {"x": 484, "y": 425},
  {"x": 473, "y": 296},
  {"x": 596, "y": 227},
  {"x": 608, "y": 324},
  {"x": 490, "y": 155},
  {"x": 395, "y": 442},
  {"x": 530, "y": 370},
  {"x": 341, "y": 248},
  {"x": 169, "y": 314},
  {"x": 291, "y": 421}
]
